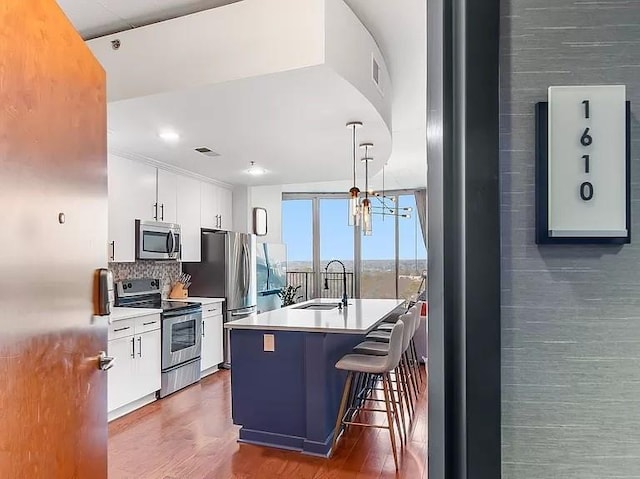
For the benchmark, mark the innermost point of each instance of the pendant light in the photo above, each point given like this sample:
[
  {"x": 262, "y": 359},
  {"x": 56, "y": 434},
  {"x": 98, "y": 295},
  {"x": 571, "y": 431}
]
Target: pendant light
[
  {"x": 354, "y": 192},
  {"x": 365, "y": 209}
]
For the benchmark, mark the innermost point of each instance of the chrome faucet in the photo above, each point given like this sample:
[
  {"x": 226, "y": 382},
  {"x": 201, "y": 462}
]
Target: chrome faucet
[{"x": 345, "y": 299}]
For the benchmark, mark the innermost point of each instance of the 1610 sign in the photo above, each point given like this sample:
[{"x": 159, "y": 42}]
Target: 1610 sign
[{"x": 582, "y": 166}]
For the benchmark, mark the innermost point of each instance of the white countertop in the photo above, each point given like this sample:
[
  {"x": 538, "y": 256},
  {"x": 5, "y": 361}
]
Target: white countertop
[
  {"x": 361, "y": 316},
  {"x": 200, "y": 300},
  {"x": 118, "y": 314}
]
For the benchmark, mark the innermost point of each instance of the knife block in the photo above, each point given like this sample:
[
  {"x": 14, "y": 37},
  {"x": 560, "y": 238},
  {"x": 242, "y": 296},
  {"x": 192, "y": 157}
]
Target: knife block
[{"x": 178, "y": 292}]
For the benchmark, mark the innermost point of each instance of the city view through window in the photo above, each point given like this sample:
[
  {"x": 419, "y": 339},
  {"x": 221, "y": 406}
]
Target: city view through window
[{"x": 388, "y": 269}]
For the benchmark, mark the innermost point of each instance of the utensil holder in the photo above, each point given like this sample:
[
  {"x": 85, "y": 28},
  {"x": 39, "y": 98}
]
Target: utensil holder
[{"x": 178, "y": 292}]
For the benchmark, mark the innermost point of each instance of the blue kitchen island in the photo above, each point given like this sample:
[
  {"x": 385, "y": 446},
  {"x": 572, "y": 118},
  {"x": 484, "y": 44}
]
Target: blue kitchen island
[{"x": 285, "y": 388}]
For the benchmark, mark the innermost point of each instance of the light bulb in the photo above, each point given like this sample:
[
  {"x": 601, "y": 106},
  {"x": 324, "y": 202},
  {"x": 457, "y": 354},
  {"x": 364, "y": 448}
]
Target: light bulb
[
  {"x": 354, "y": 206},
  {"x": 367, "y": 227}
]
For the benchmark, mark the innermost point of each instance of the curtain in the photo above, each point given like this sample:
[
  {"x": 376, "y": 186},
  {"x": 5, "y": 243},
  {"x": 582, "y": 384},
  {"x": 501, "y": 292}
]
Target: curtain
[{"x": 421, "y": 208}]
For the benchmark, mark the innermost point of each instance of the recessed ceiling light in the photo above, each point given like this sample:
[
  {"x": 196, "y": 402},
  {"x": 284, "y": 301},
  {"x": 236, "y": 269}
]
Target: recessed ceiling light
[
  {"x": 170, "y": 136},
  {"x": 256, "y": 170}
]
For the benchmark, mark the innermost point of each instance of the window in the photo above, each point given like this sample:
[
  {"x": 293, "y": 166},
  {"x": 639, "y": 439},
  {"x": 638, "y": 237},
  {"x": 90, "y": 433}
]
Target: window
[
  {"x": 336, "y": 243},
  {"x": 412, "y": 253},
  {"x": 297, "y": 234},
  {"x": 378, "y": 277},
  {"x": 315, "y": 229}
]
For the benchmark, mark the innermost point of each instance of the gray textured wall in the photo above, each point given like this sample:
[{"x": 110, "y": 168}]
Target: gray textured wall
[{"x": 570, "y": 315}]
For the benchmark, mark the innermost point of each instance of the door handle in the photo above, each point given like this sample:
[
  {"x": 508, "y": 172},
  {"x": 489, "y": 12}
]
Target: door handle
[
  {"x": 133, "y": 347},
  {"x": 113, "y": 250},
  {"x": 155, "y": 215},
  {"x": 203, "y": 329},
  {"x": 139, "y": 346},
  {"x": 105, "y": 362},
  {"x": 162, "y": 211}
]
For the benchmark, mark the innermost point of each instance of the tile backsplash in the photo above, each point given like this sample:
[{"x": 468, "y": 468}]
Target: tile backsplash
[{"x": 167, "y": 272}]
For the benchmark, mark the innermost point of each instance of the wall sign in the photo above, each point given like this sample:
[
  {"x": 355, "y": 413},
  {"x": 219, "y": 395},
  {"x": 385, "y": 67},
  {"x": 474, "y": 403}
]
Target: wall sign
[{"x": 582, "y": 166}]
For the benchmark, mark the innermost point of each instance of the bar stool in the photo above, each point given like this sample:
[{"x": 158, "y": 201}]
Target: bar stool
[
  {"x": 357, "y": 364},
  {"x": 376, "y": 348},
  {"x": 409, "y": 356}
]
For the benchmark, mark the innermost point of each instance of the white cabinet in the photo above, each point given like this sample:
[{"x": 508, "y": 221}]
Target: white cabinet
[
  {"x": 136, "y": 374},
  {"x": 188, "y": 217},
  {"x": 216, "y": 207},
  {"x": 148, "y": 363},
  {"x": 226, "y": 209},
  {"x": 209, "y": 215},
  {"x": 140, "y": 191},
  {"x": 167, "y": 196},
  {"x": 132, "y": 195},
  {"x": 121, "y": 377},
  {"x": 212, "y": 353}
]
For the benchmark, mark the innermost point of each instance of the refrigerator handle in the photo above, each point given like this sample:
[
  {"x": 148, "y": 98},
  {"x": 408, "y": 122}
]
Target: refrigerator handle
[{"x": 245, "y": 269}]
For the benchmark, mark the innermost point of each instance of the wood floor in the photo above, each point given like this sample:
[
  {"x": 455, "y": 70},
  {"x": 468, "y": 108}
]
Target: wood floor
[{"x": 190, "y": 436}]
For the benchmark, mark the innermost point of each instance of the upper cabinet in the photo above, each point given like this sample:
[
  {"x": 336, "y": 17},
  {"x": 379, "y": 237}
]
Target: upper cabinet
[
  {"x": 140, "y": 191},
  {"x": 188, "y": 217},
  {"x": 132, "y": 195},
  {"x": 226, "y": 209},
  {"x": 167, "y": 196},
  {"x": 216, "y": 212},
  {"x": 209, "y": 216}
]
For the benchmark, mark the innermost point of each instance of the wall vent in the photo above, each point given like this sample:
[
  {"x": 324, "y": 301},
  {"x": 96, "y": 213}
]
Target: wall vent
[
  {"x": 376, "y": 74},
  {"x": 207, "y": 151}
]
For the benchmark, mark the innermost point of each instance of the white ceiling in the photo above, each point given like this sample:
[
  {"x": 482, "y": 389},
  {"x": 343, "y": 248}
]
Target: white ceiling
[
  {"x": 399, "y": 27},
  {"x": 269, "y": 119}
]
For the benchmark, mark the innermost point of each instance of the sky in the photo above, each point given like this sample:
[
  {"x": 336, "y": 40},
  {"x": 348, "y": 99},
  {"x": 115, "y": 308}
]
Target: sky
[{"x": 336, "y": 236}]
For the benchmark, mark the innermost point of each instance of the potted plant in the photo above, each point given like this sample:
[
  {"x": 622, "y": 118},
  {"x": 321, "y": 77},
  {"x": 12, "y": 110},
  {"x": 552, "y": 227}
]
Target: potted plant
[{"x": 289, "y": 295}]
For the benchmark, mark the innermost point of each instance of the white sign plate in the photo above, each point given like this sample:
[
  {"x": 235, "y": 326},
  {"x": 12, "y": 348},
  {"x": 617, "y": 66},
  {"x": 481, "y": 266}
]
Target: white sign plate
[{"x": 587, "y": 161}]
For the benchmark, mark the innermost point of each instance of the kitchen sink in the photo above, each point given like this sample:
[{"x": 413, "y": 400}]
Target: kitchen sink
[{"x": 318, "y": 306}]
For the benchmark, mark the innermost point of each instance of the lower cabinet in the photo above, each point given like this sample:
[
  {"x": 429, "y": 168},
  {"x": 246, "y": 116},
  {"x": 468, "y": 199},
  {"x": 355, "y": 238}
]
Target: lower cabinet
[
  {"x": 136, "y": 346},
  {"x": 212, "y": 354}
]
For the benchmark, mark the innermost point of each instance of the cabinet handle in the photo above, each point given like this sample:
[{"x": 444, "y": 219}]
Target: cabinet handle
[
  {"x": 133, "y": 347},
  {"x": 162, "y": 211},
  {"x": 203, "y": 329},
  {"x": 150, "y": 322},
  {"x": 121, "y": 329},
  {"x": 220, "y": 221},
  {"x": 140, "y": 346},
  {"x": 155, "y": 209},
  {"x": 113, "y": 250}
]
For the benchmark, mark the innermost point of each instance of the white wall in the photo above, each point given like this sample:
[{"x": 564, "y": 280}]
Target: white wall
[
  {"x": 269, "y": 198},
  {"x": 241, "y": 218}
]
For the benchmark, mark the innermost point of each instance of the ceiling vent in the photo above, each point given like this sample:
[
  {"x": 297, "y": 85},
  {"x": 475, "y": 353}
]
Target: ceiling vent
[
  {"x": 207, "y": 151},
  {"x": 376, "y": 74}
]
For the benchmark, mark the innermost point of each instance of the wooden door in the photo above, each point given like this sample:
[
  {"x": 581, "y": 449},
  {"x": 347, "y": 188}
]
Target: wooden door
[{"x": 53, "y": 189}]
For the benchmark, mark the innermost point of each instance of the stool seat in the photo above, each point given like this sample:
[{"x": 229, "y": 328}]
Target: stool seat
[
  {"x": 375, "y": 348},
  {"x": 379, "y": 335},
  {"x": 364, "y": 363},
  {"x": 385, "y": 327}
]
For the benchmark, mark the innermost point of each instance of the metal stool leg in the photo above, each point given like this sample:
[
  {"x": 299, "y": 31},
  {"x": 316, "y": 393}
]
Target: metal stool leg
[
  {"x": 390, "y": 405},
  {"x": 343, "y": 406}
]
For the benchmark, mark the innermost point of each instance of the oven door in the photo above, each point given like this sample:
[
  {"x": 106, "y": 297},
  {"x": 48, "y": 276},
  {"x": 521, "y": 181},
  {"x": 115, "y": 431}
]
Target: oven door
[
  {"x": 181, "y": 338},
  {"x": 157, "y": 241}
]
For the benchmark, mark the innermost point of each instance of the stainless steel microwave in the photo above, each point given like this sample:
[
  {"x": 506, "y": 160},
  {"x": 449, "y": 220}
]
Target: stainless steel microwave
[{"x": 157, "y": 241}]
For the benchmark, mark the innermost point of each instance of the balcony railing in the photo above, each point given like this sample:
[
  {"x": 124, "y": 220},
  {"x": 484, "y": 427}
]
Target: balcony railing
[{"x": 306, "y": 279}]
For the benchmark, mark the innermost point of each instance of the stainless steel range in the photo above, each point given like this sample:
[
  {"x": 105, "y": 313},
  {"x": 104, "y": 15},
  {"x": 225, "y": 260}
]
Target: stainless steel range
[{"x": 181, "y": 331}]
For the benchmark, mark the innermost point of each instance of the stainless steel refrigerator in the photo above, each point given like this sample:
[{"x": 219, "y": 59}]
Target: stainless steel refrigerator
[{"x": 227, "y": 270}]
